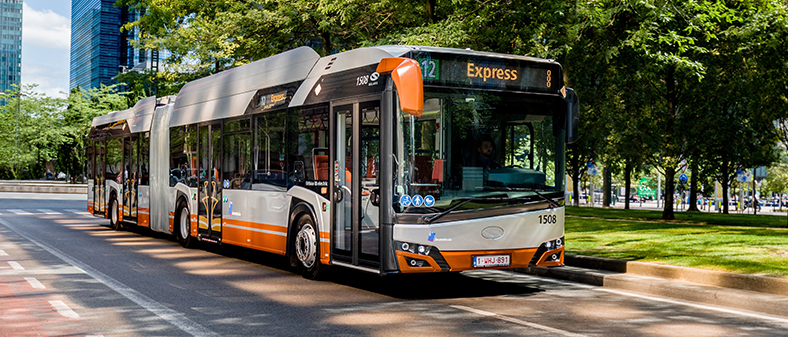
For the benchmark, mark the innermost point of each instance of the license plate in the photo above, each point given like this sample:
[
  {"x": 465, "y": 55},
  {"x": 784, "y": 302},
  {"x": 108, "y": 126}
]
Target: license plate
[{"x": 491, "y": 261}]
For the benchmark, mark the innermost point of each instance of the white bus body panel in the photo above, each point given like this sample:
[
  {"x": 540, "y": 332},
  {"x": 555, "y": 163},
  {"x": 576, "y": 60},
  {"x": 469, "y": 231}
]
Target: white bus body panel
[
  {"x": 172, "y": 197},
  {"x": 143, "y": 204},
  {"x": 112, "y": 185},
  {"x": 521, "y": 230},
  {"x": 323, "y": 220},
  {"x": 255, "y": 218}
]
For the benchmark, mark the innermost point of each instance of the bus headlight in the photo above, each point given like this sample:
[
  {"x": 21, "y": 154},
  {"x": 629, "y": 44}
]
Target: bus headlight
[{"x": 413, "y": 248}]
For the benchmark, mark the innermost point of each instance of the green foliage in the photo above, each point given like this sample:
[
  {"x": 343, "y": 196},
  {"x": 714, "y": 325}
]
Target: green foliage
[
  {"x": 38, "y": 132},
  {"x": 29, "y": 132}
]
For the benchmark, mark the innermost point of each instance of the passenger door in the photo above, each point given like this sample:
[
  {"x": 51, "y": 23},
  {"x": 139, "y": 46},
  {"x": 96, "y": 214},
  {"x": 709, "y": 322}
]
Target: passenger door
[
  {"x": 356, "y": 155},
  {"x": 130, "y": 178},
  {"x": 209, "y": 196}
]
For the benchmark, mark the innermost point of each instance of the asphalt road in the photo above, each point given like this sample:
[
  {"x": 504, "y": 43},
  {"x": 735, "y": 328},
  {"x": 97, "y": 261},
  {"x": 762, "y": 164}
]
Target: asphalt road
[{"x": 65, "y": 272}]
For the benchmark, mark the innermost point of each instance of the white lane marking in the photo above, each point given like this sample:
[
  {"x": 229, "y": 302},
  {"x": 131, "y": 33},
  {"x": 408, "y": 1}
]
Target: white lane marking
[
  {"x": 699, "y": 306},
  {"x": 48, "y": 211},
  {"x": 516, "y": 321},
  {"x": 171, "y": 316},
  {"x": 63, "y": 309},
  {"x": 19, "y": 212},
  {"x": 15, "y": 265},
  {"x": 3, "y": 253},
  {"x": 34, "y": 283},
  {"x": 77, "y": 211}
]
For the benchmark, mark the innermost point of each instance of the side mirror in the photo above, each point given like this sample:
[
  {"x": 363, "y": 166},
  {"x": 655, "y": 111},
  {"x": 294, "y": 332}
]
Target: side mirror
[
  {"x": 572, "y": 115},
  {"x": 298, "y": 172}
]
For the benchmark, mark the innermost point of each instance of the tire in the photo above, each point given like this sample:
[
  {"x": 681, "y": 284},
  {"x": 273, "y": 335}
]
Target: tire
[
  {"x": 183, "y": 228},
  {"x": 306, "y": 248},
  {"x": 114, "y": 222}
]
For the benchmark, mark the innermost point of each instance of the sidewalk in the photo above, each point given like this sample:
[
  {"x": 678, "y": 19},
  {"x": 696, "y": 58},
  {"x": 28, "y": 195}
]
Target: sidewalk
[
  {"x": 42, "y": 186},
  {"x": 755, "y": 293},
  {"x": 652, "y": 206}
]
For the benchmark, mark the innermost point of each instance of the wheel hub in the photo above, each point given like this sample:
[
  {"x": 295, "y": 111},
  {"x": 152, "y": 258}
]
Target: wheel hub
[{"x": 306, "y": 249}]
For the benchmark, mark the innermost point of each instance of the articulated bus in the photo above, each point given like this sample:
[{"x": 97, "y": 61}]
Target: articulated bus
[{"x": 390, "y": 159}]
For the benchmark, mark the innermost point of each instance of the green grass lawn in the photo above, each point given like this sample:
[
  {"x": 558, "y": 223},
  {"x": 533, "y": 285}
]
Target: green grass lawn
[{"x": 708, "y": 241}]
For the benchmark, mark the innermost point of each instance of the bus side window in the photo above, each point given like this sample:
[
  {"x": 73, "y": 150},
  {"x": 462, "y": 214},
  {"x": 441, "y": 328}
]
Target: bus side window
[
  {"x": 269, "y": 159},
  {"x": 307, "y": 144}
]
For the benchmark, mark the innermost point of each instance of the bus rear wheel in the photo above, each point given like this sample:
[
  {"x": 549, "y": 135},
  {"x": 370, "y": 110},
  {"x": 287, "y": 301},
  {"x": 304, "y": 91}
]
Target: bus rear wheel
[
  {"x": 184, "y": 227},
  {"x": 306, "y": 248},
  {"x": 114, "y": 222}
]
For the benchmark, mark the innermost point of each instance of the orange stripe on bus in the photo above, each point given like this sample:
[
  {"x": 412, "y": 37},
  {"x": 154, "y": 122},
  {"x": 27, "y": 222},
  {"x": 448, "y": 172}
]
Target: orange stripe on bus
[{"x": 249, "y": 237}]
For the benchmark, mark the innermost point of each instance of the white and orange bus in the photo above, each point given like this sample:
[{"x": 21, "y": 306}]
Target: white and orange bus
[{"x": 390, "y": 159}]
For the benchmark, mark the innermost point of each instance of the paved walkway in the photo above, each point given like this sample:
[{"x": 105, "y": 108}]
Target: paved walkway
[{"x": 652, "y": 206}]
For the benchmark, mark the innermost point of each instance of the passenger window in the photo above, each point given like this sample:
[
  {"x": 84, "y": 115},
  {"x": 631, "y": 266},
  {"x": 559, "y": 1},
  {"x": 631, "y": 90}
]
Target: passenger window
[
  {"x": 269, "y": 157},
  {"x": 237, "y": 155}
]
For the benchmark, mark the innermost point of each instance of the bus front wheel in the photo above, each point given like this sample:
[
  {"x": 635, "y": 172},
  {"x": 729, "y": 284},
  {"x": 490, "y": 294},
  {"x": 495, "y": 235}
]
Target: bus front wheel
[
  {"x": 306, "y": 248},
  {"x": 184, "y": 227}
]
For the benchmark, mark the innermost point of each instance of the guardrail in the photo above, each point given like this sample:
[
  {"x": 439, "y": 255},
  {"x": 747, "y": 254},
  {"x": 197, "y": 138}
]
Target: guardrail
[{"x": 42, "y": 186}]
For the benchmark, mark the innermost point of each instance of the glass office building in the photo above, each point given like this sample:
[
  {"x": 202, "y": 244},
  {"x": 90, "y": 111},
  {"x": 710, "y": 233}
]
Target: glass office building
[
  {"x": 99, "y": 50},
  {"x": 11, "y": 49}
]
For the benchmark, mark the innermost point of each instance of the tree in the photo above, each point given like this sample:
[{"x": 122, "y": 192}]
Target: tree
[{"x": 30, "y": 132}]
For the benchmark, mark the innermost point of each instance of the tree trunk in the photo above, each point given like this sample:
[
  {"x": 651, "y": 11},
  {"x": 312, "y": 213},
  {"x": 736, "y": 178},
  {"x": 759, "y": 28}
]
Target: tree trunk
[
  {"x": 693, "y": 199},
  {"x": 576, "y": 188},
  {"x": 326, "y": 37},
  {"x": 671, "y": 153},
  {"x": 667, "y": 211},
  {"x": 725, "y": 187},
  {"x": 627, "y": 182},
  {"x": 430, "y": 6},
  {"x": 606, "y": 182}
]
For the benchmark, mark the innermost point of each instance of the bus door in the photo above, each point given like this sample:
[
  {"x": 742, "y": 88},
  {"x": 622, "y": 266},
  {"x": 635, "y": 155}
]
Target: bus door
[
  {"x": 356, "y": 155},
  {"x": 130, "y": 178},
  {"x": 210, "y": 184},
  {"x": 99, "y": 203}
]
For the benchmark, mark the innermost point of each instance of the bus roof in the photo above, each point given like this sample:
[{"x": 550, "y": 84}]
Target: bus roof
[
  {"x": 231, "y": 93},
  {"x": 138, "y": 117},
  {"x": 228, "y": 93}
]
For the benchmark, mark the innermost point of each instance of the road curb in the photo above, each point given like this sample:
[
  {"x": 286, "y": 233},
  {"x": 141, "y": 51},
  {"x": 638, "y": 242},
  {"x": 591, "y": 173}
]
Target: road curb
[
  {"x": 755, "y": 293},
  {"x": 758, "y": 283}
]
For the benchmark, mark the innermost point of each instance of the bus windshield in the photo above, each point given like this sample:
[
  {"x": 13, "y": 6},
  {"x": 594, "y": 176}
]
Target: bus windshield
[{"x": 474, "y": 150}]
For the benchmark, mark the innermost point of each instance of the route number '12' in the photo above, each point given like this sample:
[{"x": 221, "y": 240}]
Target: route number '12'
[{"x": 430, "y": 69}]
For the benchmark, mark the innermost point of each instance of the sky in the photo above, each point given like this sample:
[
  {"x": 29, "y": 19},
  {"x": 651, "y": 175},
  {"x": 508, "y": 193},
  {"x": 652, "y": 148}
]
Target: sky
[{"x": 46, "y": 41}]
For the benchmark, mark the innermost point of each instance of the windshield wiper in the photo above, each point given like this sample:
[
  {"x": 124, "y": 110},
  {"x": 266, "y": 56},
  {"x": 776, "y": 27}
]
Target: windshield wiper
[
  {"x": 552, "y": 202},
  {"x": 434, "y": 217}
]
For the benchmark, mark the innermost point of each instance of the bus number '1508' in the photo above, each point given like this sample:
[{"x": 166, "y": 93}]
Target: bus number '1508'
[{"x": 547, "y": 219}]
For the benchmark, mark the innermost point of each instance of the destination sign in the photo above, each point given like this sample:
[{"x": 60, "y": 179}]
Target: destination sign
[
  {"x": 489, "y": 73},
  {"x": 270, "y": 101}
]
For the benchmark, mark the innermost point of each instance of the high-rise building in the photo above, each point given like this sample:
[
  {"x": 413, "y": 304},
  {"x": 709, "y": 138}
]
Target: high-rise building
[
  {"x": 99, "y": 50},
  {"x": 11, "y": 48}
]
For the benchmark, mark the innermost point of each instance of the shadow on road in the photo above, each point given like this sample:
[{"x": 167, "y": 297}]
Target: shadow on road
[{"x": 405, "y": 287}]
